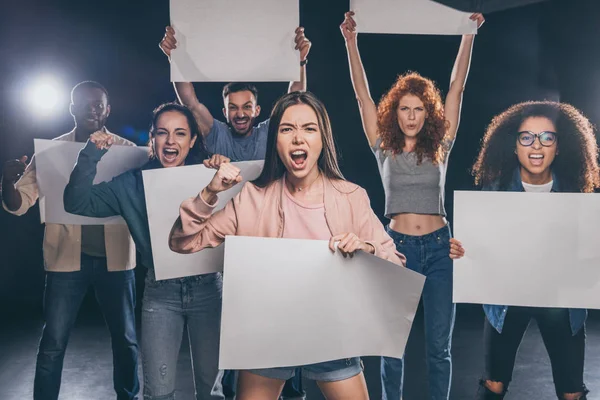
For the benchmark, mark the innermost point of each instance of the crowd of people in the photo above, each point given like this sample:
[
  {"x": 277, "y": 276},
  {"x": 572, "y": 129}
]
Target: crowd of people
[{"x": 537, "y": 146}]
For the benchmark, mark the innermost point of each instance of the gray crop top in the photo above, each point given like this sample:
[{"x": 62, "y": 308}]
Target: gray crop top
[{"x": 408, "y": 187}]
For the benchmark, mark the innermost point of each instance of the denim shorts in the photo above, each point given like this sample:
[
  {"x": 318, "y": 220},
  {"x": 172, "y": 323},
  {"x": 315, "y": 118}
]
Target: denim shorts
[{"x": 329, "y": 371}]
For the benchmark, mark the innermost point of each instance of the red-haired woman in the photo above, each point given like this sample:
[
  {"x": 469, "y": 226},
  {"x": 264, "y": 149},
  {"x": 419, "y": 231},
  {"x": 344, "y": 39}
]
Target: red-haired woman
[{"x": 411, "y": 133}]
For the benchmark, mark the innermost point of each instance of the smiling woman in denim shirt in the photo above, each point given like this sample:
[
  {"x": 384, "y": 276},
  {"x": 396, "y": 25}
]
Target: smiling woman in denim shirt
[
  {"x": 169, "y": 305},
  {"x": 537, "y": 147}
]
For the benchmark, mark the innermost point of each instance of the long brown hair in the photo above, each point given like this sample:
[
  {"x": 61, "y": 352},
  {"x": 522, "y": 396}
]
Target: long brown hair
[
  {"x": 577, "y": 165},
  {"x": 273, "y": 168},
  {"x": 429, "y": 139},
  {"x": 196, "y": 154}
]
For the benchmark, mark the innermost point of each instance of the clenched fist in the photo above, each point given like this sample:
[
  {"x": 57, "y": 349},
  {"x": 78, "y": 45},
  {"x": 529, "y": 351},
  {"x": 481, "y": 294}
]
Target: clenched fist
[
  {"x": 102, "y": 140},
  {"x": 13, "y": 170}
]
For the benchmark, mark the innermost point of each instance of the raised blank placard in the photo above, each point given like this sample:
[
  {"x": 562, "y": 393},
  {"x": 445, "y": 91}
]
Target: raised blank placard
[
  {"x": 528, "y": 249},
  {"x": 423, "y": 17},
  {"x": 289, "y": 302},
  {"x": 165, "y": 190},
  {"x": 54, "y": 161},
  {"x": 234, "y": 40}
]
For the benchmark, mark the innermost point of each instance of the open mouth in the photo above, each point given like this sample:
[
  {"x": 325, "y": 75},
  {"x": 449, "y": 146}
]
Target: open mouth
[
  {"x": 241, "y": 124},
  {"x": 299, "y": 159},
  {"x": 170, "y": 155},
  {"x": 536, "y": 159}
]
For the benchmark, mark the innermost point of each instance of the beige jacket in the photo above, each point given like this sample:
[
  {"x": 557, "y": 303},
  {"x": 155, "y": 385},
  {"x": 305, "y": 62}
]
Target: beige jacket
[
  {"x": 62, "y": 243},
  {"x": 258, "y": 212}
]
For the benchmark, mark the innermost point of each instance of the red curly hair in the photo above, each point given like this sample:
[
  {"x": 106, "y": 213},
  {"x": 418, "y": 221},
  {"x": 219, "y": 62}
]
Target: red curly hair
[{"x": 429, "y": 140}]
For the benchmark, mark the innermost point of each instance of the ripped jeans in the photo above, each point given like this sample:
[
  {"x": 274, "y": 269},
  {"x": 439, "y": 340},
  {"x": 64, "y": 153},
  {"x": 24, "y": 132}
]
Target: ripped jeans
[
  {"x": 565, "y": 350},
  {"x": 168, "y": 308}
]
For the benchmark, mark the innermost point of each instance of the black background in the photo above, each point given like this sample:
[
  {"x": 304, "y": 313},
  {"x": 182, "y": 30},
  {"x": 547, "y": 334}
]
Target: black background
[{"x": 548, "y": 50}]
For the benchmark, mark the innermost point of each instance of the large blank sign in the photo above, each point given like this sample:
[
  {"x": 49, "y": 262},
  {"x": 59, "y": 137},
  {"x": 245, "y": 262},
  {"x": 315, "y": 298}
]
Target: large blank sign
[
  {"x": 486, "y": 6},
  {"x": 289, "y": 302},
  {"x": 165, "y": 190},
  {"x": 424, "y": 17},
  {"x": 54, "y": 161},
  {"x": 234, "y": 40},
  {"x": 528, "y": 249}
]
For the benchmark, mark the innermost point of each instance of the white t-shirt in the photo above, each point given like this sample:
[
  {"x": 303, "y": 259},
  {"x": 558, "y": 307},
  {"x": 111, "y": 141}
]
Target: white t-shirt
[{"x": 545, "y": 188}]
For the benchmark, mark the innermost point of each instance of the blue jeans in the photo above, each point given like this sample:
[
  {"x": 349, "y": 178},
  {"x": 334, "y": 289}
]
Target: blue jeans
[
  {"x": 428, "y": 255},
  {"x": 328, "y": 371},
  {"x": 64, "y": 293},
  {"x": 167, "y": 307}
]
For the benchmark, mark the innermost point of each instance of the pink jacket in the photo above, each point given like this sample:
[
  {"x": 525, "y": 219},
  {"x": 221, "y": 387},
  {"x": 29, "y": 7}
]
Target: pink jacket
[{"x": 258, "y": 212}]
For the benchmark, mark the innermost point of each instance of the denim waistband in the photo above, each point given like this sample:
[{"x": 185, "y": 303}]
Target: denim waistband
[
  {"x": 442, "y": 234},
  {"x": 150, "y": 276}
]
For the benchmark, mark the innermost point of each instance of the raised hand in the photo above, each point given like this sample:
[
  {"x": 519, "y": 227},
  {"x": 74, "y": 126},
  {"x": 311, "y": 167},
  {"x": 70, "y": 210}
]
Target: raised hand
[
  {"x": 102, "y": 140},
  {"x": 13, "y": 170},
  {"x": 215, "y": 161},
  {"x": 302, "y": 43},
  {"x": 225, "y": 178},
  {"x": 349, "y": 243},
  {"x": 348, "y": 27},
  {"x": 456, "y": 249},
  {"x": 479, "y": 18},
  {"x": 168, "y": 43}
]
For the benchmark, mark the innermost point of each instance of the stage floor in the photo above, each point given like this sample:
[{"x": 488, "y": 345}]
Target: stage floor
[{"x": 88, "y": 363}]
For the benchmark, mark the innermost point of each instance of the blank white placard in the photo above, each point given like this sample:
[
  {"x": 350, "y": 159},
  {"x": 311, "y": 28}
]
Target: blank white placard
[
  {"x": 165, "y": 190},
  {"x": 54, "y": 161},
  {"x": 528, "y": 249},
  {"x": 235, "y": 40},
  {"x": 289, "y": 302},
  {"x": 423, "y": 17}
]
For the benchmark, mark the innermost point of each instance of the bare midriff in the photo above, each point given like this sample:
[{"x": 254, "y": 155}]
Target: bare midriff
[{"x": 416, "y": 224}]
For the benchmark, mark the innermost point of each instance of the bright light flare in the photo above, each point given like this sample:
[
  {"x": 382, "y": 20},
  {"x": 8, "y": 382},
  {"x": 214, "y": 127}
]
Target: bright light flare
[{"x": 45, "y": 96}]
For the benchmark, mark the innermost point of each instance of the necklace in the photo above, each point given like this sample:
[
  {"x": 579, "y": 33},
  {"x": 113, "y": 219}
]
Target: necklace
[{"x": 299, "y": 188}]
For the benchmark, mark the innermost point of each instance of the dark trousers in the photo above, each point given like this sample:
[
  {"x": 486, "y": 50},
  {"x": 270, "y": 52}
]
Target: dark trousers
[
  {"x": 566, "y": 351},
  {"x": 63, "y": 295}
]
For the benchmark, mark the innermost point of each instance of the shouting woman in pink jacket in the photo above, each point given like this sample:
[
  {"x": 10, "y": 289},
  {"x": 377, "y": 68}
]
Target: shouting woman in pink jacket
[{"x": 300, "y": 194}]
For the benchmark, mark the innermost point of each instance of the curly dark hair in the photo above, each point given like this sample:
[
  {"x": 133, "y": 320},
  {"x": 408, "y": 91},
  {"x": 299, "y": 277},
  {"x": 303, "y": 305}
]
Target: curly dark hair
[
  {"x": 429, "y": 140},
  {"x": 577, "y": 165}
]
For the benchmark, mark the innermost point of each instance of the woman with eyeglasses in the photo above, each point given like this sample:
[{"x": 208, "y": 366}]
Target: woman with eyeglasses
[{"x": 536, "y": 147}]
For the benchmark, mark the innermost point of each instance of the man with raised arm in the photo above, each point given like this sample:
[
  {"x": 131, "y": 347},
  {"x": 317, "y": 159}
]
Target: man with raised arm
[{"x": 237, "y": 138}]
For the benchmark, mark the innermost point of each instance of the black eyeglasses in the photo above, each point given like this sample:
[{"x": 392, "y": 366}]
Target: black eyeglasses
[{"x": 546, "y": 138}]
